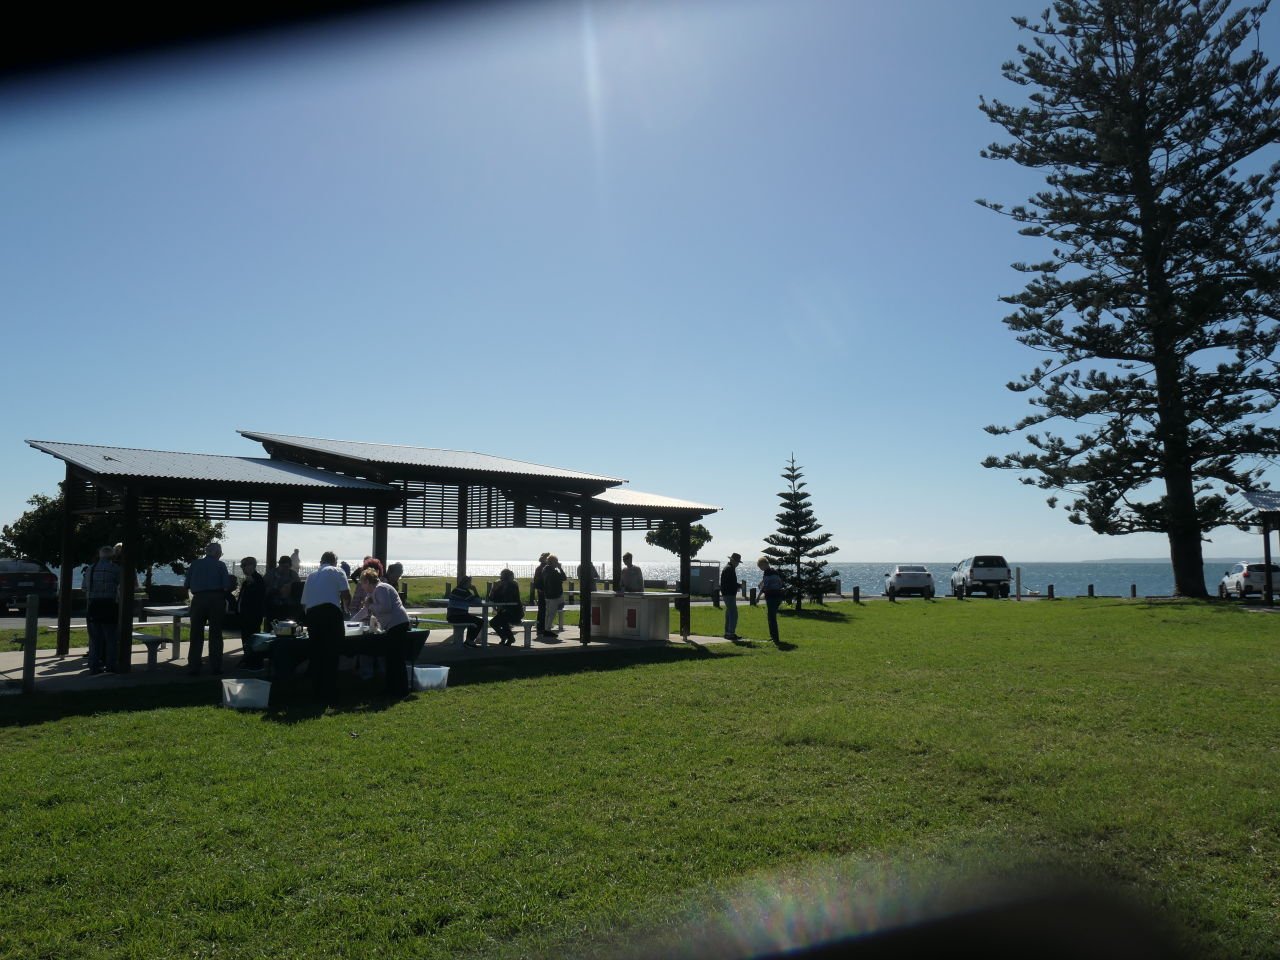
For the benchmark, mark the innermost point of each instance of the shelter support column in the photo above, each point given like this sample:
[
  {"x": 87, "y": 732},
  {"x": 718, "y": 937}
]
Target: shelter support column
[
  {"x": 584, "y": 583},
  {"x": 380, "y": 533},
  {"x": 1268, "y": 587},
  {"x": 617, "y": 554},
  {"x": 273, "y": 538},
  {"x": 128, "y": 582},
  {"x": 64, "y": 570},
  {"x": 462, "y": 530},
  {"x": 686, "y": 577}
]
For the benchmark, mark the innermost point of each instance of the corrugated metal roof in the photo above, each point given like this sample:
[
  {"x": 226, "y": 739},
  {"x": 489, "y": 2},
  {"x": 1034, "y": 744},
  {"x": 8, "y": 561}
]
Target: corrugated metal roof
[
  {"x": 169, "y": 465},
  {"x": 1268, "y": 501},
  {"x": 620, "y": 497},
  {"x": 395, "y": 455}
]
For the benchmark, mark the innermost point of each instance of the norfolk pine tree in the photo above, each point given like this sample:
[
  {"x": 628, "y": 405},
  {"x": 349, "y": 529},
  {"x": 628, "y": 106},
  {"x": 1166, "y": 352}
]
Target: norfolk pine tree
[
  {"x": 1157, "y": 307},
  {"x": 797, "y": 544}
]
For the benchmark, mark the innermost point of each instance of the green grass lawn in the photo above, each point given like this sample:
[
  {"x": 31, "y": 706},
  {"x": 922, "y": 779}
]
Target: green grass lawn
[{"x": 549, "y": 804}]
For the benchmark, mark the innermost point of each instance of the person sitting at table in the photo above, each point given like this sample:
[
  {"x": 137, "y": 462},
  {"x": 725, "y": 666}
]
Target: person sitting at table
[
  {"x": 251, "y": 605},
  {"x": 505, "y": 595},
  {"x": 383, "y": 603},
  {"x": 461, "y": 598}
]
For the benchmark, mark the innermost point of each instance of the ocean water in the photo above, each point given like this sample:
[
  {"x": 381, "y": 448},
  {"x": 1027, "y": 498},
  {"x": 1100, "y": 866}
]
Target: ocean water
[{"x": 1113, "y": 578}]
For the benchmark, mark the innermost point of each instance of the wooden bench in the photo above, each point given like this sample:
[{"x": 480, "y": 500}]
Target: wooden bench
[{"x": 459, "y": 629}]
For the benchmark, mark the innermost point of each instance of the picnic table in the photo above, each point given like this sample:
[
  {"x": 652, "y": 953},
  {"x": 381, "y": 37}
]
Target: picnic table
[{"x": 177, "y": 613}]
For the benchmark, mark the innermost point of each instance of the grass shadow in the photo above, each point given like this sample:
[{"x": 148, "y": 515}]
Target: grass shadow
[
  {"x": 786, "y": 647},
  {"x": 574, "y": 661},
  {"x": 825, "y": 616}
]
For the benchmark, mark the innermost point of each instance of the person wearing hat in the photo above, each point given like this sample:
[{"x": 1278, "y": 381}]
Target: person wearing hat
[{"x": 729, "y": 594}]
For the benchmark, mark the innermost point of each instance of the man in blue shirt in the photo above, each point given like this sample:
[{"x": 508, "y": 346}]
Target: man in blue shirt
[{"x": 207, "y": 581}]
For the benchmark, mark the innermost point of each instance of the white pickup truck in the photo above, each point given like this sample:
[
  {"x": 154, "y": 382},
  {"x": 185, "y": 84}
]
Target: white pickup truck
[{"x": 987, "y": 574}]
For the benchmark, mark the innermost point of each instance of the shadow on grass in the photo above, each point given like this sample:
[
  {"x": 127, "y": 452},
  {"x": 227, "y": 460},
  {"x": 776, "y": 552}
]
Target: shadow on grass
[
  {"x": 826, "y": 616},
  {"x": 565, "y": 664},
  {"x": 292, "y": 701}
]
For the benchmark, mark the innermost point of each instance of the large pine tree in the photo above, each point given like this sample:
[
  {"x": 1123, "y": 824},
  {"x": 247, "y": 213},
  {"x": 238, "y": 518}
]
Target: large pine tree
[
  {"x": 1157, "y": 303},
  {"x": 797, "y": 546}
]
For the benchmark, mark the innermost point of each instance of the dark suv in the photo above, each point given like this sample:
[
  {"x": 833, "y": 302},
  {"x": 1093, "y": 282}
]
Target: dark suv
[
  {"x": 987, "y": 574},
  {"x": 21, "y": 578}
]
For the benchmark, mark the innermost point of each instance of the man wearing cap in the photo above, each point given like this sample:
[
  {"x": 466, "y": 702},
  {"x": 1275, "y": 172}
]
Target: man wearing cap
[
  {"x": 729, "y": 594},
  {"x": 207, "y": 581}
]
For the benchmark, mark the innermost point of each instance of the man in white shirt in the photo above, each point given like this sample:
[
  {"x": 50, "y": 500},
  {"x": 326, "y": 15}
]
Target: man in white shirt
[{"x": 326, "y": 595}]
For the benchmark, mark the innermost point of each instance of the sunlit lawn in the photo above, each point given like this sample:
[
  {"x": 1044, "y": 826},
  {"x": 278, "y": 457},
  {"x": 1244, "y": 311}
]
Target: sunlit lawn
[{"x": 556, "y": 801}]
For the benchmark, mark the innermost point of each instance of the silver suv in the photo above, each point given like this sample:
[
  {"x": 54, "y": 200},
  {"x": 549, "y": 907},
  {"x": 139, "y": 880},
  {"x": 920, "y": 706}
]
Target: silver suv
[{"x": 987, "y": 574}]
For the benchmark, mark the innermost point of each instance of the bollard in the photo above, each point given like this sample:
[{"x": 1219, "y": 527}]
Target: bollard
[
  {"x": 857, "y": 593},
  {"x": 448, "y": 588},
  {"x": 743, "y": 585},
  {"x": 1017, "y": 592},
  {"x": 29, "y": 647},
  {"x": 753, "y": 596},
  {"x": 1091, "y": 590},
  {"x": 1133, "y": 591},
  {"x": 1051, "y": 591},
  {"x": 715, "y": 599}
]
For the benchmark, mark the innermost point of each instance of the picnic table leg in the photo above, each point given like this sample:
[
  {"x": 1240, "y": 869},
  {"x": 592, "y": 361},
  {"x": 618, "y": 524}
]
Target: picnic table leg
[
  {"x": 484, "y": 624},
  {"x": 177, "y": 639}
]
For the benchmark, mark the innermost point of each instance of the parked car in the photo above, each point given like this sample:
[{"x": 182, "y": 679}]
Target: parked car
[
  {"x": 986, "y": 573},
  {"x": 908, "y": 578},
  {"x": 21, "y": 578},
  {"x": 1246, "y": 578}
]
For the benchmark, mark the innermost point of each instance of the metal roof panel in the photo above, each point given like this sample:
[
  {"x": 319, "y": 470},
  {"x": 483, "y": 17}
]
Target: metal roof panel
[
  {"x": 429, "y": 457},
  {"x": 626, "y": 497},
  {"x": 171, "y": 465}
]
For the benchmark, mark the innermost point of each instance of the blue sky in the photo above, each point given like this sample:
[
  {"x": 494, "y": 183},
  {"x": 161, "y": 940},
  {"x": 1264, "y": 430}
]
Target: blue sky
[{"x": 671, "y": 242}]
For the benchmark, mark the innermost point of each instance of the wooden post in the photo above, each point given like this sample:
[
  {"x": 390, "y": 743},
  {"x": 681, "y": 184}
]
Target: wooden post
[
  {"x": 1133, "y": 591},
  {"x": 584, "y": 588},
  {"x": 1268, "y": 588},
  {"x": 380, "y": 534},
  {"x": 857, "y": 593},
  {"x": 29, "y": 647},
  {"x": 1091, "y": 590},
  {"x": 64, "y": 571},
  {"x": 273, "y": 537},
  {"x": 124, "y": 621},
  {"x": 686, "y": 577},
  {"x": 617, "y": 554},
  {"x": 462, "y": 530},
  {"x": 1051, "y": 591}
]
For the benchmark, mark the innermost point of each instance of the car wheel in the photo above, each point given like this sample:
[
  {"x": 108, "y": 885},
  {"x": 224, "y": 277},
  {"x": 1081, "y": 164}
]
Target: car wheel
[
  {"x": 1222, "y": 592},
  {"x": 891, "y": 593},
  {"x": 1241, "y": 594},
  {"x": 928, "y": 593},
  {"x": 1004, "y": 591}
]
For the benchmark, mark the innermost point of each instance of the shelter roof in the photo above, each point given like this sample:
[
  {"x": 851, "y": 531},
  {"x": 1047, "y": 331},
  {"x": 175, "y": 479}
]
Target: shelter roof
[
  {"x": 1264, "y": 501},
  {"x": 381, "y": 458},
  {"x": 126, "y": 462},
  {"x": 628, "y": 499}
]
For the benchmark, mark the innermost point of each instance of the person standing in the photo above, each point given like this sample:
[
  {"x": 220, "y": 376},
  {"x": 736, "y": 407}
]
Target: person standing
[
  {"x": 383, "y": 603},
  {"x": 207, "y": 581},
  {"x": 326, "y": 595},
  {"x": 101, "y": 585},
  {"x": 774, "y": 590},
  {"x": 251, "y": 607},
  {"x": 538, "y": 593},
  {"x": 632, "y": 576},
  {"x": 553, "y": 578},
  {"x": 729, "y": 595},
  {"x": 280, "y": 583}
]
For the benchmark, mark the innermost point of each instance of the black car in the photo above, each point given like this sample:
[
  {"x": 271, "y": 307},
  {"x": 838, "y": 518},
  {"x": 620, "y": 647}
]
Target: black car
[{"x": 21, "y": 578}]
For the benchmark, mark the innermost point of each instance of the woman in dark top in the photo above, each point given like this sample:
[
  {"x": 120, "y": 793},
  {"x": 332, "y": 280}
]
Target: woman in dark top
[
  {"x": 460, "y": 600},
  {"x": 509, "y": 610},
  {"x": 251, "y": 605}
]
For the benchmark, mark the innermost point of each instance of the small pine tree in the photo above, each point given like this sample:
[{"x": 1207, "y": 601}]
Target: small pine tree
[{"x": 797, "y": 545}]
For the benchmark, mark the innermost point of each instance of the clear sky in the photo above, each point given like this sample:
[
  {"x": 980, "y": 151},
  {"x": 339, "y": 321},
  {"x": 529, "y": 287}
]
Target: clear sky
[{"x": 671, "y": 242}]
